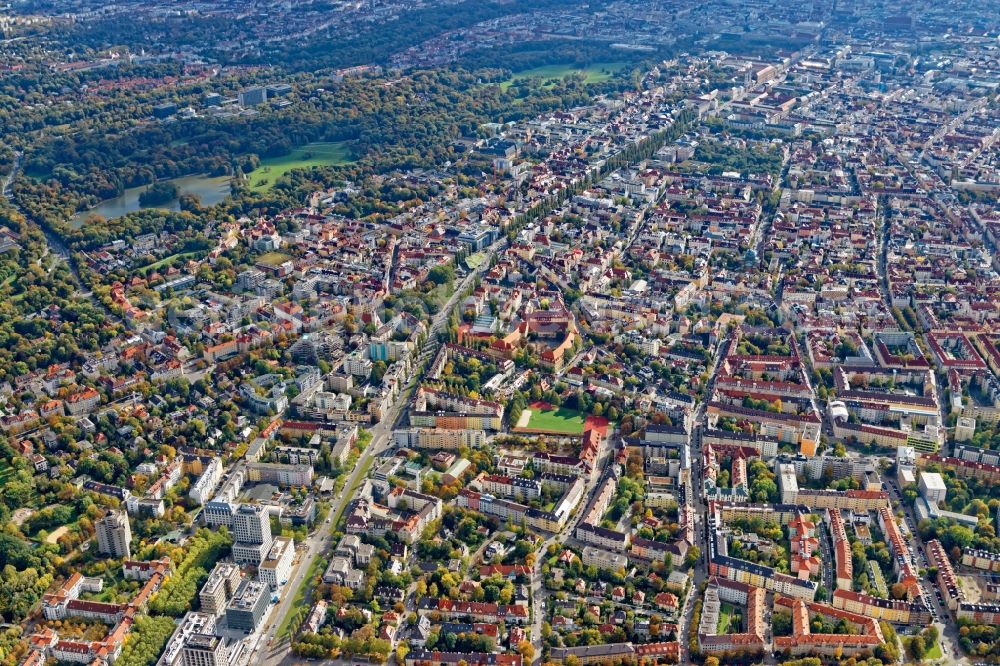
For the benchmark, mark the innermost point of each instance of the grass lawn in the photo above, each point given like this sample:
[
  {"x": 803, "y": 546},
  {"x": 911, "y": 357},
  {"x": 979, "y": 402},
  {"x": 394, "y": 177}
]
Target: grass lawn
[
  {"x": 273, "y": 258},
  {"x": 302, "y": 600},
  {"x": 595, "y": 73},
  {"x": 442, "y": 293},
  {"x": 166, "y": 261},
  {"x": 475, "y": 260},
  {"x": 308, "y": 156},
  {"x": 934, "y": 652},
  {"x": 6, "y": 473},
  {"x": 350, "y": 491},
  {"x": 725, "y": 615},
  {"x": 877, "y": 581},
  {"x": 563, "y": 420}
]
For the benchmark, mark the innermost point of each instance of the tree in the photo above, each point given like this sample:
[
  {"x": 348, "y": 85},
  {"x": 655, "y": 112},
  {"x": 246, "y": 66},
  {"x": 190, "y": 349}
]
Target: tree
[
  {"x": 957, "y": 536},
  {"x": 19, "y": 590},
  {"x": 781, "y": 624},
  {"x": 888, "y": 651},
  {"x": 189, "y": 202},
  {"x": 692, "y": 557},
  {"x": 763, "y": 489},
  {"x": 526, "y": 650},
  {"x": 148, "y": 637},
  {"x": 444, "y": 274},
  {"x": 158, "y": 193},
  {"x": 917, "y": 647}
]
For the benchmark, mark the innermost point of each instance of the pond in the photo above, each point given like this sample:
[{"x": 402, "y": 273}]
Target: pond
[{"x": 209, "y": 189}]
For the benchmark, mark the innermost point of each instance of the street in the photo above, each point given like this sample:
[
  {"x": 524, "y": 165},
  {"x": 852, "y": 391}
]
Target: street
[{"x": 321, "y": 540}]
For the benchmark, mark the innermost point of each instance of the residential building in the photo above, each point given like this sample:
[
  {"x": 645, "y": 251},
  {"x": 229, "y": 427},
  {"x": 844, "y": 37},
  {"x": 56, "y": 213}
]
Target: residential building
[
  {"x": 603, "y": 559},
  {"x": 114, "y": 534}
]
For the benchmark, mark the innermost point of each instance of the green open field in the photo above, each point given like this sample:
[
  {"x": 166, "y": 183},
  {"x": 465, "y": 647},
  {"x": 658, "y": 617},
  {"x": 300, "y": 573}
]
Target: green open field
[
  {"x": 598, "y": 72},
  {"x": 934, "y": 652},
  {"x": 273, "y": 258},
  {"x": 174, "y": 258},
  {"x": 473, "y": 261},
  {"x": 560, "y": 420},
  {"x": 308, "y": 156}
]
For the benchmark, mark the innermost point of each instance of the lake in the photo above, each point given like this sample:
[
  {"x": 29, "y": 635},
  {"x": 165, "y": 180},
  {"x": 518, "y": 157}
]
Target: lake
[{"x": 209, "y": 189}]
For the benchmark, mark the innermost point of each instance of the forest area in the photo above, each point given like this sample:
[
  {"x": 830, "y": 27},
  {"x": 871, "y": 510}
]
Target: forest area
[{"x": 413, "y": 122}]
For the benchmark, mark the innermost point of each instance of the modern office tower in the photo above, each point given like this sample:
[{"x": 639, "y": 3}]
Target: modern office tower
[
  {"x": 247, "y": 608},
  {"x": 251, "y": 534},
  {"x": 220, "y": 587}
]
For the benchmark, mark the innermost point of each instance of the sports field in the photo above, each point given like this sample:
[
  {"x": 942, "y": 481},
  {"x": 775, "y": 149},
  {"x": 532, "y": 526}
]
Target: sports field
[
  {"x": 544, "y": 417},
  {"x": 306, "y": 157}
]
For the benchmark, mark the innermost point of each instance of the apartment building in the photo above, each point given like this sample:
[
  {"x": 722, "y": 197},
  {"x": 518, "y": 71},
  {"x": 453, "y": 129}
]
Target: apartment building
[
  {"x": 279, "y": 474},
  {"x": 841, "y": 550},
  {"x": 603, "y": 537},
  {"x": 440, "y": 438},
  {"x": 888, "y": 610},
  {"x": 603, "y": 559},
  {"x": 114, "y": 534},
  {"x": 981, "y": 559},
  {"x": 803, "y": 641}
]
